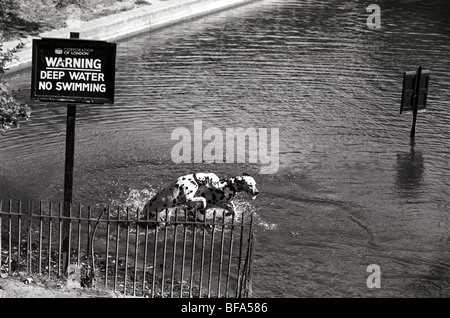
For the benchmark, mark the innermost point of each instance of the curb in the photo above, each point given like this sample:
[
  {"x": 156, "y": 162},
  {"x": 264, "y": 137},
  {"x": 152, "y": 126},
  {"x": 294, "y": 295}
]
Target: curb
[{"x": 125, "y": 24}]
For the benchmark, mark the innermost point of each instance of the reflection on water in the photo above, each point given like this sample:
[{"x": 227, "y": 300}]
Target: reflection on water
[{"x": 410, "y": 172}]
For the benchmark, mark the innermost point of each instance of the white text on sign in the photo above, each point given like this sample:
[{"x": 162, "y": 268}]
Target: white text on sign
[{"x": 79, "y": 69}]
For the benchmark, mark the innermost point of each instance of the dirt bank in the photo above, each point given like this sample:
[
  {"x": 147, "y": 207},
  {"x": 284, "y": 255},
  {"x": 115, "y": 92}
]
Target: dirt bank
[{"x": 23, "y": 286}]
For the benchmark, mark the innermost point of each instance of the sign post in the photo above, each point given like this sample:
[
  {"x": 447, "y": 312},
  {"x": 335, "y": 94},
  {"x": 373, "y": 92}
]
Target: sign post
[
  {"x": 73, "y": 71},
  {"x": 68, "y": 175},
  {"x": 68, "y": 180},
  {"x": 416, "y": 102},
  {"x": 415, "y": 94}
]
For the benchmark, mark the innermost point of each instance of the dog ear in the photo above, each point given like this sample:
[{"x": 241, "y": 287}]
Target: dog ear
[
  {"x": 210, "y": 183},
  {"x": 245, "y": 174}
]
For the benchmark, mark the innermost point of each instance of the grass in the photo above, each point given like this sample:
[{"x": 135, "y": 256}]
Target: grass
[{"x": 20, "y": 19}]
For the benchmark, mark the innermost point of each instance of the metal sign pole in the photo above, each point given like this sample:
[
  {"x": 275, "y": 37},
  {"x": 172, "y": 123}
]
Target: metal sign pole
[
  {"x": 68, "y": 175},
  {"x": 416, "y": 101}
]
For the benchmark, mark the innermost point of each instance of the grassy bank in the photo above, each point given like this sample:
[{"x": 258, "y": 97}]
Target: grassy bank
[{"x": 19, "y": 19}]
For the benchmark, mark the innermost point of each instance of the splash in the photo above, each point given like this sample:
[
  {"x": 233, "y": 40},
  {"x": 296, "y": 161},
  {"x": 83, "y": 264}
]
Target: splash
[
  {"x": 133, "y": 201},
  {"x": 245, "y": 208},
  {"x": 267, "y": 226},
  {"x": 137, "y": 198}
]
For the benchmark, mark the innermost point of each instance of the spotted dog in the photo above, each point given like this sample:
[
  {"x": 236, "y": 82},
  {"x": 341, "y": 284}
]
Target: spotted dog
[
  {"x": 206, "y": 188},
  {"x": 222, "y": 196},
  {"x": 181, "y": 192}
]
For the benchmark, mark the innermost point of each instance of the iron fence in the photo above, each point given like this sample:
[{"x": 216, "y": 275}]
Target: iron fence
[{"x": 115, "y": 248}]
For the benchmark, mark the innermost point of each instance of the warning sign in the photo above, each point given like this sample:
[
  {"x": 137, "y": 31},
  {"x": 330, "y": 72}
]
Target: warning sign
[{"x": 73, "y": 70}]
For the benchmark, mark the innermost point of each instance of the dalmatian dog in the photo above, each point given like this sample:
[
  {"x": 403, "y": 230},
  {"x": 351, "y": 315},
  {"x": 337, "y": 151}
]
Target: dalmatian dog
[
  {"x": 205, "y": 188},
  {"x": 181, "y": 192},
  {"x": 223, "y": 195}
]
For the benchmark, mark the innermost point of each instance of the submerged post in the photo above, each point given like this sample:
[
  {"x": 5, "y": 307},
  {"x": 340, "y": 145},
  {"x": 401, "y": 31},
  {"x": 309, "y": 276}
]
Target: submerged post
[
  {"x": 416, "y": 102},
  {"x": 415, "y": 94}
]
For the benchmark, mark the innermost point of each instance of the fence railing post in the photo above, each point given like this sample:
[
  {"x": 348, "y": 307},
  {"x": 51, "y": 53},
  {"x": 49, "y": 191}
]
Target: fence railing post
[
  {"x": 136, "y": 247},
  {"x": 29, "y": 239},
  {"x": 144, "y": 266},
  {"x": 9, "y": 237},
  {"x": 222, "y": 239},
  {"x": 40, "y": 238},
  {"x": 248, "y": 272},
  {"x": 108, "y": 226},
  {"x": 191, "y": 276},
  {"x": 1, "y": 217}
]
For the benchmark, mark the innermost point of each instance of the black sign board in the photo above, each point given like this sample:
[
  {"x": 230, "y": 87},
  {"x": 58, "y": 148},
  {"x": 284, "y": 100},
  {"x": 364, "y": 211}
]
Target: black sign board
[
  {"x": 73, "y": 70},
  {"x": 409, "y": 91}
]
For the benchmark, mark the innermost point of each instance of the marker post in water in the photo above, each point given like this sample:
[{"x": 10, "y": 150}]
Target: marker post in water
[
  {"x": 73, "y": 71},
  {"x": 415, "y": 94}
]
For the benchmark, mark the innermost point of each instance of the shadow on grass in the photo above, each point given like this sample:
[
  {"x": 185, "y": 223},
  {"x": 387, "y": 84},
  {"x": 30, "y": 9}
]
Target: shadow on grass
[{"x": 16, "y": 27}]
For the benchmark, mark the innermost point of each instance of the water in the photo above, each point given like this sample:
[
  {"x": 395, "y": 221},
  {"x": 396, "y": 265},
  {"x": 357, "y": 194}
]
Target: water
[{"x": 351, "y": 189}]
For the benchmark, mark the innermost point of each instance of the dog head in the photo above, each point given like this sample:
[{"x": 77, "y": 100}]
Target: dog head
[{"x": 247, "y": 184}]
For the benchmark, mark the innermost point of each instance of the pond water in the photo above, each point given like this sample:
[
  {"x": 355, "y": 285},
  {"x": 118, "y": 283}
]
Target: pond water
[{"x": 350, "y": 190}]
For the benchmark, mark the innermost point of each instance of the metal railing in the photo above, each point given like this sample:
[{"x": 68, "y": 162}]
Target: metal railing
[{"x": 115, "y": 248}]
